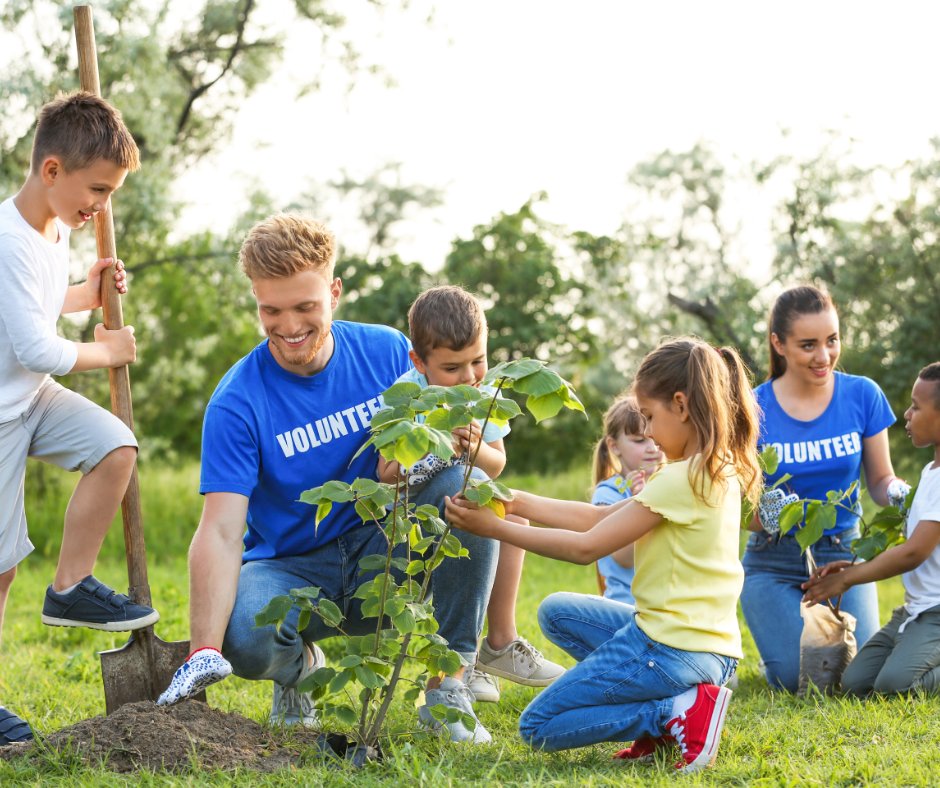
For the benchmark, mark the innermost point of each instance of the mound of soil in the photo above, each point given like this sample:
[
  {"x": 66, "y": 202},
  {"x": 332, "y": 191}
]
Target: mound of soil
[{"x": 176, "y": 738}]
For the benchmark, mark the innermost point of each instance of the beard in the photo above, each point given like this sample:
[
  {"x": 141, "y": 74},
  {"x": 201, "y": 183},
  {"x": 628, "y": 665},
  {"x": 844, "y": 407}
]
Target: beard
[{"x": 299, "y": 357}]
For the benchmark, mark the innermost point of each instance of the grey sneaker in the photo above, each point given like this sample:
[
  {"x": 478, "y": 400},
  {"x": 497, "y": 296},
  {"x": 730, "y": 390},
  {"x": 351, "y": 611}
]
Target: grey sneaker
[
  {"x": 485, "y": 688},
  {"x": 454, "y": 694},
  {"x": 520, "y": 662},
  {"x": 290, "y": 706}
]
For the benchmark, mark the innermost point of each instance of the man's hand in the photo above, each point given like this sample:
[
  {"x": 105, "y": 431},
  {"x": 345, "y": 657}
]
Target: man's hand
[
  {"x": 827, "y": 582},
  {"x": 203, "y": 667},
  {"x": 119, "y": 343}
]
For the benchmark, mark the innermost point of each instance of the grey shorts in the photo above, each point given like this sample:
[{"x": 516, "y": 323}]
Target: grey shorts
[{"x": 59, "y": 427}]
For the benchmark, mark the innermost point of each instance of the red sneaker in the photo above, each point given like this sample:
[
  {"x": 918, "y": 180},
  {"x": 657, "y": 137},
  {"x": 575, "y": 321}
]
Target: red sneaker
[
  {"x": 698, "y": 729},
  {"x": 644, "y": 747}
]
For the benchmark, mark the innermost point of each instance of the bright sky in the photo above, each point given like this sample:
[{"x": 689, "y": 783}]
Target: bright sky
[{"x": 498, "y": 99}]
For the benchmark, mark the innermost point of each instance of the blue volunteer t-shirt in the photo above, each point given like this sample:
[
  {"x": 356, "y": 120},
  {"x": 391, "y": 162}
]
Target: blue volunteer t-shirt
[
  {"x": 269, "y": 434},
  {"x": 825, "y": 453}
]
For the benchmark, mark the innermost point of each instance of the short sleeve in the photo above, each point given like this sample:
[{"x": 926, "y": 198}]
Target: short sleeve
[
  {"x": 879, "y": 414},
  {"x": 606, "y": 494},
  {"x": 928, "y": 507},
  {"x": 668, "y": 493},
  {"x": 230, "y": 456}
]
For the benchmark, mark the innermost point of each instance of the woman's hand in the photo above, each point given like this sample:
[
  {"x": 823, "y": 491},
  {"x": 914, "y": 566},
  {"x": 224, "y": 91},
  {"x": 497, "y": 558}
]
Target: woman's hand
[{"x": 469, "y": 517}]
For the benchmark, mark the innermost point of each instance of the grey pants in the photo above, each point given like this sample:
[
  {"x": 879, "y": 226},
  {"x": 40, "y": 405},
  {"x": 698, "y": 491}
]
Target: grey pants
[{"x": 893, "y": 661}]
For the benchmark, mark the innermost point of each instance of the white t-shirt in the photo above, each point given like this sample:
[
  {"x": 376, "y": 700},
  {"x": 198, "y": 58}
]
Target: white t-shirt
[
  {"x": 34, "y": 277},
  {"x": 922, "y": 583}
]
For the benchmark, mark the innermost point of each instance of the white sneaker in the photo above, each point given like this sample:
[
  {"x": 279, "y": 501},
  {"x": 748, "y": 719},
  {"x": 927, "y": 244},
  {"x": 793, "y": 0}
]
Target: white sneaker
[
  {"x": 290, "y": 706},
  {"x": 485, "y": 688},
  {"x": 520, "y": 662},
  {"x": 454, "y": 694}
]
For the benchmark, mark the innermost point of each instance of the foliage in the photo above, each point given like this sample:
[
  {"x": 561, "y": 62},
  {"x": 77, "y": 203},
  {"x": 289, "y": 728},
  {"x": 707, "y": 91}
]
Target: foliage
[
  {"x": 414, "y": 423},
  {"x": 882, "y": 530}
]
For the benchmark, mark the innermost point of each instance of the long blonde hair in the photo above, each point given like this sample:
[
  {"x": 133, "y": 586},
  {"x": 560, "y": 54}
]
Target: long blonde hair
[
  {"x": 722, "y": 408},
  {"x": 623, "y": 417}
]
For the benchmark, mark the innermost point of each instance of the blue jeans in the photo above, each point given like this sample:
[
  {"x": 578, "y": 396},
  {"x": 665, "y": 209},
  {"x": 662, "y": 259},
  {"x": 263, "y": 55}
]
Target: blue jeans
[
  {"x": 624, "y": 683},
  {"x": 773, "y": 572},
  {"x": 460, "y": 588}
]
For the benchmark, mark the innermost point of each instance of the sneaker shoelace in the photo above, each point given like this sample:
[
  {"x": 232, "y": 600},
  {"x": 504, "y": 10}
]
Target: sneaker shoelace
[
  {"x": 525, "y": 649},
  {"x": 677, "y": 729}
]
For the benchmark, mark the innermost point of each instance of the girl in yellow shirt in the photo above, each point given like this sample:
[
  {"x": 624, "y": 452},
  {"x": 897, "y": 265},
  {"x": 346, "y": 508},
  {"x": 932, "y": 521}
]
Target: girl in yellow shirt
[{"x": 651, "y": 673}]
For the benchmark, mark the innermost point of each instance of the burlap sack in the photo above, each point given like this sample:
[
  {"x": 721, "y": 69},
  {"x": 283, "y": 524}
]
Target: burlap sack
[{"x": 827, "y": 646}]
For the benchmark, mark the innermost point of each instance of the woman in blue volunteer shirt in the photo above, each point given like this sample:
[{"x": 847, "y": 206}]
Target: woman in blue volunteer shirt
[{"x": 826, "y": 427}]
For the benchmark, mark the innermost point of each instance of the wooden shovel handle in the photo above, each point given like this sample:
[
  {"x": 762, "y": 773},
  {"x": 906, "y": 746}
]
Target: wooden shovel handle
[{"x": 118, "y": 377}]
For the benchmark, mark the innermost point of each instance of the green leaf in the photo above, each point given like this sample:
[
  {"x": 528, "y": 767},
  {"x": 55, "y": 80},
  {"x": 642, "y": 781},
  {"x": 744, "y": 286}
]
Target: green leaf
[
  {"x": 350, "y": 661},
  {"x": 368, "y": 677},
  {"x": 768, "y": 459},
  {"x": 339, "y": 681},
  {"x": 329, "y": 612},
  {"x": 867, "y": 547},
  {"x": 451, "y": 546},
  {"x": 338, "y": 492},
  {"x": 463, "y": 394},
  {"x": 414, "y": 568},
  {"x": 322, "y": 511},
  {"x": 274, "y": 612},
  {"x": 404, "y": 622},
  {"x": 819, "y": 517},
  {"x": 345, "y": 714},
  {"x": 303, "y": 619},
  {"x": 512, "y": 370},
  {"x": 540, "y": 383},
  {"x": 790, "y": 515},
  {"x": 544, "y": 407},
  {"x": 365, "y": 487},
  {"x": 307, "y": 592},
  {"x": 412, "y": 446},
  {"x": 371, "y": 563},
  {"x": 401, "y": 394}
]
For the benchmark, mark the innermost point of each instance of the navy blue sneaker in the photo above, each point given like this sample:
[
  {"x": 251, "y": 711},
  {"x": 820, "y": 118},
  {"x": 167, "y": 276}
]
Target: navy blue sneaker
[
  {"x": 92, "y": 604},
  {"x": 13, "y": 728}
]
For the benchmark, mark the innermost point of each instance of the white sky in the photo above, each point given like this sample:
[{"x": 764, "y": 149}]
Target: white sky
[{"x": 498, "y": 99}]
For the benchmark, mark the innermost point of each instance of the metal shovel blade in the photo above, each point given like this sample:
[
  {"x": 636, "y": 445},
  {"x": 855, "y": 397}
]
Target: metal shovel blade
[{"x": 141, "y": 669}]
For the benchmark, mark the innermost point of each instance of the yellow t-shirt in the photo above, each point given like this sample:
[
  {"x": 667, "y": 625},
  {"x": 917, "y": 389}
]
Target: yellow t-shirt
[{"x": 688, "y": 573}]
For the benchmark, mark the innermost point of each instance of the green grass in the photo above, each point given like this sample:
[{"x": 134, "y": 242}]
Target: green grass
[{"x": 52, "y": 677}]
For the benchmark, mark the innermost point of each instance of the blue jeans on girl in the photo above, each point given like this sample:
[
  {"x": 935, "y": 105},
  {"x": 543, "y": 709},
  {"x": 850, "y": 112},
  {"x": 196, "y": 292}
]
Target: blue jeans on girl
[
  {"x": 773, "y": 572},
  {"x": 623, "y": 685}
]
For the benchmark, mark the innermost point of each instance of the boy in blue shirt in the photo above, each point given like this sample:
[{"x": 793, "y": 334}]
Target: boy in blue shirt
[{"x": 82, "y": 153}]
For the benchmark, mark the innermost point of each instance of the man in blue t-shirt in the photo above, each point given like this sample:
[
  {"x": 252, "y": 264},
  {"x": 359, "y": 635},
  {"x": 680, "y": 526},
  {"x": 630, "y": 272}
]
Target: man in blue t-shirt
[{"x": 289, "y": 416}]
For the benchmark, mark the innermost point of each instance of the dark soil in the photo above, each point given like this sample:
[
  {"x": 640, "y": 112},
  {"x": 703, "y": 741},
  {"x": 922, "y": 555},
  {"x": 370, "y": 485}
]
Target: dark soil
[{"x": 178, "y": 738}]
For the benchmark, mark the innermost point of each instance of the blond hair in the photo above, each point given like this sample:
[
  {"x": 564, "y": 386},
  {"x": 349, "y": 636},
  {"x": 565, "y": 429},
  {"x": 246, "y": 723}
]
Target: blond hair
[
  {"x": 623, "y": 417},
  {"x": 286, "y": 244},
  {"x": 722, "y": 408},
  {"x": 81, "y": 128},
  {"x": 445, "y": 316}
]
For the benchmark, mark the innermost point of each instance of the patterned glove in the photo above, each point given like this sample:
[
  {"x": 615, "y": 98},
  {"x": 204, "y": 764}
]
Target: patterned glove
[
  {"x": 898, "y": 490},
  {"x": 203, "y": 667},
  {"x": 770, "y": 506}
]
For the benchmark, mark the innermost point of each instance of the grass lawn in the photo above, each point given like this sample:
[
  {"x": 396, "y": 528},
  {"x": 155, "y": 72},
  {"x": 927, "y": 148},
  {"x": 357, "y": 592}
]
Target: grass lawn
[{"x": 51, "y": 676}]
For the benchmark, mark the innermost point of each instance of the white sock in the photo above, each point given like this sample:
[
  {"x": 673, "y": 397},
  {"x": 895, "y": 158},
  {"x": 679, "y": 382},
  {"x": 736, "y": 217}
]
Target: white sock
[
  {"x": 67, "y": 590},
  {"x": 682, "y": 703}
]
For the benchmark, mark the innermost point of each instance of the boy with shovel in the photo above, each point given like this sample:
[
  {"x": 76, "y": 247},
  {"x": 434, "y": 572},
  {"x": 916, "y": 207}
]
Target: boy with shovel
[{"x": 82, "y": 153}]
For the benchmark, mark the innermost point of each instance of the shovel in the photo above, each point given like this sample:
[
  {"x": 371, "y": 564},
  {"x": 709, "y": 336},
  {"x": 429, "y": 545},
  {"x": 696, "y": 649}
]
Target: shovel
[{"x": 143, "y": 667}]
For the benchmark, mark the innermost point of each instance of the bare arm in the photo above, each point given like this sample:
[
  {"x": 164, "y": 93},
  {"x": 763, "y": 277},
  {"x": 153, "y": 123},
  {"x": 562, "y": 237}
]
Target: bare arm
[
  {"x": 111, "y": 348},
  {"x": 828, "y": 583},
  {"x": 624, "y": 556},
  {"x": 491, "y": 458},
  {"x": 879, "y": 473},
  {"x": 555, "y": 513},
  {"x": 620, "y": 525},
  {"x": 87, "y": 295},
  {"x": 215, "y": 558}
]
